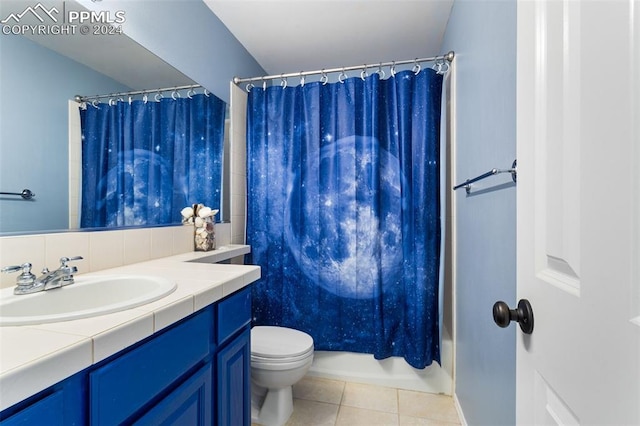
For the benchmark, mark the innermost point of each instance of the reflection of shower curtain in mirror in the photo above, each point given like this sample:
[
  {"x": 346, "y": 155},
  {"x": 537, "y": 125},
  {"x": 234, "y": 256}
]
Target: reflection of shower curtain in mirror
[
  {"x": 145, "y": 161},
  {"x": 344, "y": 212}
]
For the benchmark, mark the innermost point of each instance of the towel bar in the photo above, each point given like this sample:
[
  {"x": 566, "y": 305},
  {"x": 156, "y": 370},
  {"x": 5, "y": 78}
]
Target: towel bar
[
  {"x": 25, "y": 194},
  {"x": 467, "y": 183}
]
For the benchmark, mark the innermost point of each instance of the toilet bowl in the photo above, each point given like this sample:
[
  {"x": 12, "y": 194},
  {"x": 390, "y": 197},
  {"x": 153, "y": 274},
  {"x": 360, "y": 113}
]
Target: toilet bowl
[{"x": 280, "y": 357}]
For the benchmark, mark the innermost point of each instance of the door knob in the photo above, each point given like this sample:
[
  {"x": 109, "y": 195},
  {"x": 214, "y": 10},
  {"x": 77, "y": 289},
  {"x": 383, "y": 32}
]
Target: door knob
[{"x": 523, "y": 314}]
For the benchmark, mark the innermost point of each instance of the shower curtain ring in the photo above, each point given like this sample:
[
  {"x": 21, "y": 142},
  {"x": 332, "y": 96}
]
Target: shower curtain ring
[
  {"x": 95, "y": 104},
  {"x": 416, "y": 67},
  {"x": 301, "y": 79},
  {"x": 158, "y": 96},
  {"x": 393, "y": 69},
  {"x": 249, "y": 87},
  {"x": 190, "y": 93},
  {"x": 364, "y": 74},
  {"x": 342, "y": 76},
  {"x": 283, "y": 81},
  {"x": 130, "y": 99},
  {"x": 324, "y": 79},
  {"x": 381, "y": 71},
  {"x": 145, "y": 98},
  {"x": 206, "y": 93},
  {"x": 175, "y": 95},
  {"x": 111, "y": 102}
]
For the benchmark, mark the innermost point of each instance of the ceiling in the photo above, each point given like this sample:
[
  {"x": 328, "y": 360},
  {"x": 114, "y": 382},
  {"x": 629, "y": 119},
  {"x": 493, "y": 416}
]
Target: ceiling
[
  {"x": 282, "y": 35},
  {"x": 304, "y": 35}
]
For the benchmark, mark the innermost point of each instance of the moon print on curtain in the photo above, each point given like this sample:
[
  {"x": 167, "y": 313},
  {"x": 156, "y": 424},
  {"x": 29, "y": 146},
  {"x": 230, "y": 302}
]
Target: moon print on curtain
[
  {"x": 344, "y": 212},
  {"x": 142, "y": 162}
]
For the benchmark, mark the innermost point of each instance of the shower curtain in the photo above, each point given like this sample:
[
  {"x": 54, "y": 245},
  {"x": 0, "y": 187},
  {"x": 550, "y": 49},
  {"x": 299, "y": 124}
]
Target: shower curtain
[
  {"x": 344, "y": 212},
  {"x": 142, "y": 162}
]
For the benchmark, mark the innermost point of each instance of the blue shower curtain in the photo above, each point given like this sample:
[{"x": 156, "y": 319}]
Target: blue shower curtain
[
  {"x": 344, "y": 212},
  {"x": 142, "y": 162}
]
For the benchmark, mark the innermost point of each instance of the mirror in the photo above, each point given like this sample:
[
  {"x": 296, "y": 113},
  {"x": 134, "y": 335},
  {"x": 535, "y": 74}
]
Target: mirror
[{"x": 39, "y": 77}]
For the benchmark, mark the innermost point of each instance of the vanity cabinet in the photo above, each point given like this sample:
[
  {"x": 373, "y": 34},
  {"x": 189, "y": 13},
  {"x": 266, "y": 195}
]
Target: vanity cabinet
[{"x": 195, "y": 372}]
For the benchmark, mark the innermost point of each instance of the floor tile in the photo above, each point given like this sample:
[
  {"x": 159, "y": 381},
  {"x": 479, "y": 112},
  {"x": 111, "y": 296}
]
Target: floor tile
[
  {"x": 325, "y": 402},
  {"x": 370, "y": 397},
  {"x": 428, "y": 406},
  {"x": 307, "y": 413},
  {"x": 321, "y": 390},
  {"x": 352, "y": 416},
  {"x": 418, "y": 421}
]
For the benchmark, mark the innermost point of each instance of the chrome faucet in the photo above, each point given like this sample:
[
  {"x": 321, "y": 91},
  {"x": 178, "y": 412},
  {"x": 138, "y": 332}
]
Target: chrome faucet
[{"x": 28, "y": 283}]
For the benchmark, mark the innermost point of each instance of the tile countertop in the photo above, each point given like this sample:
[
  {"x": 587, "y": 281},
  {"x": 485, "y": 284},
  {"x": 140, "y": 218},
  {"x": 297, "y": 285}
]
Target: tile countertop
[{"x": 34, "y": 357}]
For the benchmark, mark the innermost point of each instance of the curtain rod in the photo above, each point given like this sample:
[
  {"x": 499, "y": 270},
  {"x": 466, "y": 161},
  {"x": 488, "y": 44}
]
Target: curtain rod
[
  {"x": 447, "y": 57},
  {"x": 174, "y": 89}
]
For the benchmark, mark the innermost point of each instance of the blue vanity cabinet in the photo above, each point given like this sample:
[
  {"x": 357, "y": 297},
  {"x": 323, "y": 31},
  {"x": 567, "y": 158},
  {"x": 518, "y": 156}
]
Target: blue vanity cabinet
[
  {"x": 195, "y": 372},
  {"x": 233, "y": 360}
]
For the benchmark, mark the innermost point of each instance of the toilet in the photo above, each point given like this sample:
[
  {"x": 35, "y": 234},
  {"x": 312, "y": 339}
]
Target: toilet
[{"x": 280, "y": 357}]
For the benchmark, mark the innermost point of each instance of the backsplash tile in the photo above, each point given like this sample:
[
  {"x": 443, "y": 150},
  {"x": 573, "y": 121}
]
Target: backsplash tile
[
  {"x": 223, "y": 234},
  {"x": 106, "y": 250},
  {"x": 100, "y": 249},
  {"x": 161, "y": 242},
  {"x": 182, "y": 239},
  {"x": 19, "y": 250},
  {"x": 137, "y": 245},
  {"x": 67, "y": 244}
]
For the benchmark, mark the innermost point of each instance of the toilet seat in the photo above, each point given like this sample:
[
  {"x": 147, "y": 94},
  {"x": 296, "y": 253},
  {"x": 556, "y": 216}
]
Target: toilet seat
[{"x": 279, "y": 345}]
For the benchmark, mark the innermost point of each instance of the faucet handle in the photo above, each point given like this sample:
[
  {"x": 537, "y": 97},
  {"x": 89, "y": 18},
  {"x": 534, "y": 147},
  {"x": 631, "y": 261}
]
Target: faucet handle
[
  {"x": 13, "y": 268},
  {"x": 65, "y": 260},
  {"x": 26, "y": 277}
]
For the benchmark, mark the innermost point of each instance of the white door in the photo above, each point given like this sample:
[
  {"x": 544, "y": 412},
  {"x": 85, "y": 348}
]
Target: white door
[{"x": 578, "y": 204}]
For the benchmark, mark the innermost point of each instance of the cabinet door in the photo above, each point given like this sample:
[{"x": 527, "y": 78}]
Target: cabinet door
[
  {"x": 48, "y": 411},
  {"x": 189, "y": 404},
  {"x": 234, "y": 382},
  {"x": 128, "y": 383},
  {"x": 63, "y": 405}
]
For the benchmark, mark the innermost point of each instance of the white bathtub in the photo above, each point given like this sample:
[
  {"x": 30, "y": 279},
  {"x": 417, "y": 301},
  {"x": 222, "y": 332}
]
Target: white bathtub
[{"x": 392, "y": 372}]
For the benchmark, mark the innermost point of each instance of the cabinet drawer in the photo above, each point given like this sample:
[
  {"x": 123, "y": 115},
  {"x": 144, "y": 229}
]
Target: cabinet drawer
[
  {"x": 127, "y": 383},
  {"x": 233, "y": 313}
]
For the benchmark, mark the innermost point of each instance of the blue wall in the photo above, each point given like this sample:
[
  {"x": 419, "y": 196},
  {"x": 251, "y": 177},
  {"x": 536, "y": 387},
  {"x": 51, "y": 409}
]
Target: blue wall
[
  {"x": 37, "y": 84},
  {"x": 483, "y": 35}
]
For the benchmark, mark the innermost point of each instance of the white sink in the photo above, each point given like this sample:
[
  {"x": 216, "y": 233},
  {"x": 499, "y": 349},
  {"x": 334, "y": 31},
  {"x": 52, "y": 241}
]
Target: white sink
[{"x": 87, "y": 297}]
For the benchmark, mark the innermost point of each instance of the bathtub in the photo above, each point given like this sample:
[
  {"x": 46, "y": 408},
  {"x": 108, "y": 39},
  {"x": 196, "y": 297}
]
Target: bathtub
[{"x": 391, "y": 372}]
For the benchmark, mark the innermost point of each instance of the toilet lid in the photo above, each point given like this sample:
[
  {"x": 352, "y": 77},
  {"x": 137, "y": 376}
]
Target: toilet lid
[{"x": 279, "y": 342}]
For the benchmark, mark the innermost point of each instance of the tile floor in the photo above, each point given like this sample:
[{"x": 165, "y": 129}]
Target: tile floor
[{"x": 337, "y": 403}]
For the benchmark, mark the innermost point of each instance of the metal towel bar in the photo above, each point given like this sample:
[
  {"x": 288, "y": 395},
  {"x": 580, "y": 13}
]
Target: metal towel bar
[
  {"x": 467, "y": 183},
  {"x": 25, "y": 194}
]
